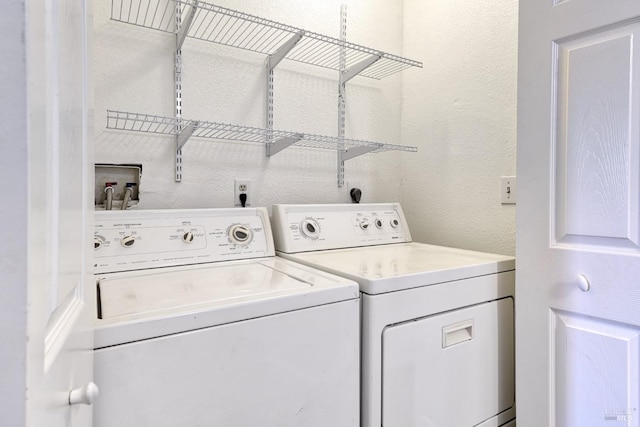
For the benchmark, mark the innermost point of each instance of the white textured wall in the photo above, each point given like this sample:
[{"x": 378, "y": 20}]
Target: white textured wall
[
  {"x": 134, "y": 72},
  {"x": 460, "y": 110}
]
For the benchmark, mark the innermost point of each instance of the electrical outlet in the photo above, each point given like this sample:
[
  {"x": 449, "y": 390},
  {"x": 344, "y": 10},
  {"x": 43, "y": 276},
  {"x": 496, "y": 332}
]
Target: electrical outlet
[
  {"x": 508, "y": 190},
  {"x": 242, "y": 186}
]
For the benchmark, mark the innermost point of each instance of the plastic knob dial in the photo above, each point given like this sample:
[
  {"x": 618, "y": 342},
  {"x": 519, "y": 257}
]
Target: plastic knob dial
[
  {"x": 128, "y": 241},
  {"x": 310, "y": 228},
  {"x": 188, "y": 237},
  {"x": 240, "y": 234},
  {"x": 364, "y": 224},
  {"x": 395, "y": 223},
  {"x": 378, "y": 223},
  {"x": 97, "y": 243}
]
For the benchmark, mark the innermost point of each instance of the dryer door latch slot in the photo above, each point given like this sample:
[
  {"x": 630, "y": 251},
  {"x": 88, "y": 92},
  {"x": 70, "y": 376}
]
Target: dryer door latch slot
[{"x": 457, "y": 333}]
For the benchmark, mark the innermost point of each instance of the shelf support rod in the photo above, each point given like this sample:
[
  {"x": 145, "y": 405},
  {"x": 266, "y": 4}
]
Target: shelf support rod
[
  {"x": 272, "y": 61},
  {"x": 356, "y": 151},
  {"x": 185, "y": 25},
  {"x": 279, "y": 145},
  {"x": 342, "y": 95},
  {"x": 177, "y": 82},
  {"x": 359, "y": 67}
]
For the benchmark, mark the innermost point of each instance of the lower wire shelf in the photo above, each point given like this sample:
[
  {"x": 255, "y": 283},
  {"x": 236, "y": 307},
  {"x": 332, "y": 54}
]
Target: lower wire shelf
[
  {"x": 275, "y": 140},
  {"x": 147, "y": 123}
]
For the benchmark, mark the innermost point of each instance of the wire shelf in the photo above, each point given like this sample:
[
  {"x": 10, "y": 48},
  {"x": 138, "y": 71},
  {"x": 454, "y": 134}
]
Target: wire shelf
[
  {"x": 228, "y": 27},
  {"x": 147, "y": 123}
]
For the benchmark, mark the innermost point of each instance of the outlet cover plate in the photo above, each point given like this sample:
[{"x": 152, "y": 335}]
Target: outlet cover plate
[{"x": 241, "y": 186}]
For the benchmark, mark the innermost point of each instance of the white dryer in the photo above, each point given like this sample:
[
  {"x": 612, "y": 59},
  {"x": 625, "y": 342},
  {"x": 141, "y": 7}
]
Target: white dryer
[
  {"x": 437, "y": 322},
  {"x": 199, "y": 324}
]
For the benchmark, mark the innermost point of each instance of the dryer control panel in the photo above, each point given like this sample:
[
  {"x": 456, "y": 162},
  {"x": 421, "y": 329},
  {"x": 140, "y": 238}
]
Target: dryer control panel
[
  {"x": 134, "y": 240},
  {"x": 302, "y": 228}
]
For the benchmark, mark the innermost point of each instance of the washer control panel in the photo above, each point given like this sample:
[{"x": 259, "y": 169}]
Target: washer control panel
[
  {"x": 301, "y": 228},
  {"x": 133, "y": 240}
]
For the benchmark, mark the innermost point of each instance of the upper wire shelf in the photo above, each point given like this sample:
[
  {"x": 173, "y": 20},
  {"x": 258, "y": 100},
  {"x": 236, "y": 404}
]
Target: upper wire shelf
[
  {"x": 147, "y": 123},
  {"x": 224, "y": 26}
]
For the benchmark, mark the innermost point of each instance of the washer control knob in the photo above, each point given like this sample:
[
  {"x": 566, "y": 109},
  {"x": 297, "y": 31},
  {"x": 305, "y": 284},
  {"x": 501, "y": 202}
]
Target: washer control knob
[
  {"x": 187, "y": 237},
  {"x": 128, "y": 241},
  {"x": 364, "y": 224},
  {"x": 310, "y": 228},
  {"x": 97, "y": 242},
  {"x": 378, "y": 223},
  {"x": 240, "y": 234},
  {"x": 395, "y": 223}
]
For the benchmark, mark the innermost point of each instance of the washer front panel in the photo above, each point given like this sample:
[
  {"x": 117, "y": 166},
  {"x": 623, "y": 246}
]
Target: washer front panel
[
  {"x": 134, "y": 240},
  {"x": 296, "y": 368}
]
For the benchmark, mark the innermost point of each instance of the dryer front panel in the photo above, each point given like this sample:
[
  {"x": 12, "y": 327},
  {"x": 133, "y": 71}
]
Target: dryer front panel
[{"x": 450, "y": 369}]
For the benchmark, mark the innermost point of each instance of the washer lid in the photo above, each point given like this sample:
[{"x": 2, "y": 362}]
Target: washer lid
[
  {"x": 394, "y": 267},
  {"x": 144, "y": 304}
]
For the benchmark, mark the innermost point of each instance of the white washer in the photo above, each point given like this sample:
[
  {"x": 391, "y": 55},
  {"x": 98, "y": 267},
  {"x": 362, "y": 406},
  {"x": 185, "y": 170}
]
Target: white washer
[
  {"x": 437, "y": 322},
  {"x": 201, "y": 325}
]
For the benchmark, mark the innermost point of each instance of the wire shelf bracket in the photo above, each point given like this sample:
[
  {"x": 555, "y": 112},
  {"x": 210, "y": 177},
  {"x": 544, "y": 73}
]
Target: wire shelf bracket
[
  {"x": 358, "y": 68},
  {"x": 279, "y": 145},
  {"x": 275, "y": 58},
  {"x": 350, "y": 153},
  {"x": 183, "y": 135}
]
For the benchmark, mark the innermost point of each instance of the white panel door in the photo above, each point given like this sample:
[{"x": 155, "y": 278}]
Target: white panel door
[
  {"x": 59, "y": 212},
  {"x": 578, "y": 230}
]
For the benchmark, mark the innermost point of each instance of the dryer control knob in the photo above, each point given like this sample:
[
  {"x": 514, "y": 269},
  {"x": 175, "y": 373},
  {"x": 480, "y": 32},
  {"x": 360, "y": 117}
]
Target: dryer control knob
[
  {"x": 378, "y": 223},
  {"x": 188, "y": 237},
  {"x": 310, "y": 228},
  {"x": 395, "y": 223},
  {"x": 240, "y": 234},
  {"x": 128, "y": 241},
  {"x": 364, "y": 224}
]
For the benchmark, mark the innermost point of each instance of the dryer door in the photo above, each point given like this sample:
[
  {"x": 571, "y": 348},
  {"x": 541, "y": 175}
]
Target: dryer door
[{"x": 450, "y": 369}]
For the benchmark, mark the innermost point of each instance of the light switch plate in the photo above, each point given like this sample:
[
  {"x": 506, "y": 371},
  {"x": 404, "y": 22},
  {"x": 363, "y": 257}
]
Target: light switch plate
[{"x": 508, "y": 190}]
